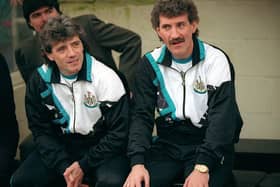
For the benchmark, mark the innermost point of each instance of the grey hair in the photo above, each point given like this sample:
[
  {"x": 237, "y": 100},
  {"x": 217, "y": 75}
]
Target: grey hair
[
  {"x": 58, "y": 29},
  {"x": 173, "y": 8}
]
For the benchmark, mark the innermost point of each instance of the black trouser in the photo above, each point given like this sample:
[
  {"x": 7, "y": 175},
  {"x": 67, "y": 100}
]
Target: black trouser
[
  {"x": 34, "y": 173},
  {"x": 164, "y": 170},
  {"x": 7, "y": 167}
]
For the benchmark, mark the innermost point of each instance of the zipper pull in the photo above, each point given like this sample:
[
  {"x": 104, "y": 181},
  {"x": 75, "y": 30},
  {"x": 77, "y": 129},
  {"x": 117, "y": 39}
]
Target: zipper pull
[{"x": 183, "y": 74}]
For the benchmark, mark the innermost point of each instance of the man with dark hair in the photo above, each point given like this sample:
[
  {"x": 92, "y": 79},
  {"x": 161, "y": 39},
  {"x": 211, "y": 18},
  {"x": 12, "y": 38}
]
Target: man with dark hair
[
  {"x": 101, "y": 38},
  {"x": 191, "y": 84},
  {"x": 77, "y": 111},
  {"x": 9, "y": 134}
]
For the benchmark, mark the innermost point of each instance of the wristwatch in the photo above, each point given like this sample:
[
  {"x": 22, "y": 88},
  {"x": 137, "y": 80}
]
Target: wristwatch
[{"x": 201, "y": 168}]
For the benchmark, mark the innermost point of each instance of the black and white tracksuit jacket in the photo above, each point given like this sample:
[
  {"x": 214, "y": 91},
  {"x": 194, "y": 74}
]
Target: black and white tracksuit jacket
[
  {"x": 88, "y": 121},
  {"x": 196, "y": 106}
]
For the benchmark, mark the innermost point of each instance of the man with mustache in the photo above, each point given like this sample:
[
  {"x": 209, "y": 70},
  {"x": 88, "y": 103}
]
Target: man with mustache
[
  {"x": 191, "y": 85},
  {"x": 77, "y": 110}
]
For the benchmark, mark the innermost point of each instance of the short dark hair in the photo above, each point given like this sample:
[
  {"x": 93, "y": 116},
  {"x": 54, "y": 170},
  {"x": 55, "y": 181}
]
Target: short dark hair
[
  {"x": 58, "y": 29},
  {"x": 173, "y": 8},
  {"x": 29, "y": 6}
]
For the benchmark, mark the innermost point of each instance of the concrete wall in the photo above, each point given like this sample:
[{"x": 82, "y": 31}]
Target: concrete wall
[{"x": 248, "y": 30}]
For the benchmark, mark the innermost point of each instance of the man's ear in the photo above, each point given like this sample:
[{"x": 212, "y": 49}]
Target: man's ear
[
  {"x": 49, "y": 56},
  {"x": 194, "y": 26},
  {"x": 157, "y": 30}
]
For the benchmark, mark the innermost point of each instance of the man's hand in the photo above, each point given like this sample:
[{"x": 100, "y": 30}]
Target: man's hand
[
  {"x": 73, "y": 175},
  {"x": 137, "y": 176},
  {"x": 197, "y": 179}
]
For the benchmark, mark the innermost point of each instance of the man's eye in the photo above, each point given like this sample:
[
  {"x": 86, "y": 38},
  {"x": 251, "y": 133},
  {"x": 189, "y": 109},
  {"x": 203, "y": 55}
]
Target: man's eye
[
  {"x": 61, "y": 49},
  {"x": 166, "y": 27},
  {"x": 76, "y": 44},
  {"x": 35, "y": 16},
  {"x": 181, "y": 25}
]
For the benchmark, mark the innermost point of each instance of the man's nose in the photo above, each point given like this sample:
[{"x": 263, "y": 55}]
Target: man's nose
[
  {"x": 174, "y": 32},
  {"x": 45, "y": 17},
  {"x": 70, "y": 51}
]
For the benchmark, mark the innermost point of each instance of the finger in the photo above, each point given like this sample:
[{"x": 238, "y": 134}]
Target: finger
[
  {"x": 186, "y": 183},
  {"x": 67, "y": 172},
  {"x": 76, "y": 183},
  {"x": 147, "y": 181},
  {"x": 125, "y": 184},
  {"x": 71, "y": 178}
]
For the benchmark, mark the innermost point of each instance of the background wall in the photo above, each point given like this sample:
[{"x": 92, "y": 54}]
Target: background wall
[{"x": 248, "y": 30}]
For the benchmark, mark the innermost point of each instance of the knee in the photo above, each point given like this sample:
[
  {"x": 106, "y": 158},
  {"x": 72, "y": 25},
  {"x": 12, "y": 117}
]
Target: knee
[
  {"x": 16, "y": 181},
  {"x": 112, "y": 181},
  {"x": 19, "y": 179}
]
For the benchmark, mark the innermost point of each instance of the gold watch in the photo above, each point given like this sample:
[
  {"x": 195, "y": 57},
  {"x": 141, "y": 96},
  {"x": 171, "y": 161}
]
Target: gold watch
[{"x": 201, "y": 168}]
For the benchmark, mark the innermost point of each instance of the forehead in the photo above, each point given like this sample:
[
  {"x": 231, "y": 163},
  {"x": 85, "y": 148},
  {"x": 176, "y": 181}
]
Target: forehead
[
  {"x": 40, "y": 10},
  {"x": 175, "y": 19}
]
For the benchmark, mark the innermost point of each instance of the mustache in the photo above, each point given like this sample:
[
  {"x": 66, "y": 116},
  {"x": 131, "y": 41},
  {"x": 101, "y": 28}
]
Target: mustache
[{"x": 176, "y": 40}]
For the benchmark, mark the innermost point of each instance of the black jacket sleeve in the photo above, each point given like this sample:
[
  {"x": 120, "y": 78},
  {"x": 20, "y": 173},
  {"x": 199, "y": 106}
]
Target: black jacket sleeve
[
  {"x": 224, "y": 124},
  {"x": 143, "y": 110},
  {"x": 9, "y": 134},
  {"x": 28, "y": 57},
  {"x": 47, "y": 142},
  {"x": 114, "y": 142},
  {"x": 122, "y": 40}
]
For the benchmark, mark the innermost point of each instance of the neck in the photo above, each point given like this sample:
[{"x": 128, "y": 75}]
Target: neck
[{"x": 74, "y": 76}]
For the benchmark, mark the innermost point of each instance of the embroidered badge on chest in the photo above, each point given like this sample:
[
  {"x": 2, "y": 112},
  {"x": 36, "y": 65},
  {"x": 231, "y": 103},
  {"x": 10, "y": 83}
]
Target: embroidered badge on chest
[
  {"x": 90, "y": 100},
  {"x": 199, "y": 86}
]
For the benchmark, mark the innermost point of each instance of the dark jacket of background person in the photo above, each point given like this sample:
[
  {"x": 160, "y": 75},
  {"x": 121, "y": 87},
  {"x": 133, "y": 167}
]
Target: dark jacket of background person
[
  {"x": 9, "y": 134},
  {"x": 100, "y": 39}
]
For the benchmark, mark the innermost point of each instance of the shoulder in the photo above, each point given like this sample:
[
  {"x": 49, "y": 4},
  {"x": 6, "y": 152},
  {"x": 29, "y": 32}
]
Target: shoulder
[
  {"x": 106, "y": 77},
  {"x": 102, "y": 70},
  {"x": 213, "y": 53},
  {"x": 84, "y": 17},
  {"x": 28, "y": 42},
  {"x": 217, "y": 64},
  {"x": 27, "y": 45},
  {"x": 36, "y": 77},
  {"x": 215, "y": 56},
  {"x": 83, "y": 20}
]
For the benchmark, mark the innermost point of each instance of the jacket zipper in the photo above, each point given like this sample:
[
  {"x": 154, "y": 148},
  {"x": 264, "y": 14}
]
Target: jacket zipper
[
  {"x": 183, "y": 75},
  {"x": 73, "y": 99}
]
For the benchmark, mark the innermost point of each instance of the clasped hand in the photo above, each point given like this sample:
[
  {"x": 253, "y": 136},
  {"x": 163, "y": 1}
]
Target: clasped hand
[{"x": 73, "y": 176}]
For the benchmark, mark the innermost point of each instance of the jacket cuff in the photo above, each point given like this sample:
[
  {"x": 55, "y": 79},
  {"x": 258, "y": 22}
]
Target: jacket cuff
[
  {"x": 84, "y": 164},
  {"x": 206, "y": 160},
  {"x": 62, "y": 167},
  {"x": 137, "y": 159}
]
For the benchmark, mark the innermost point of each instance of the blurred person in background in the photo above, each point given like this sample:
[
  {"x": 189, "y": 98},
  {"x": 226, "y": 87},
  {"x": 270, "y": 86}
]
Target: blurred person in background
[{"x": 9, "y": 134}]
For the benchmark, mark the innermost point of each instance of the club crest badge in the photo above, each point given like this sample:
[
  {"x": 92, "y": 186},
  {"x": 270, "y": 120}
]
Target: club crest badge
[
  {"x": 90, "y": 100},
  {"x": 199, "y": 86}
]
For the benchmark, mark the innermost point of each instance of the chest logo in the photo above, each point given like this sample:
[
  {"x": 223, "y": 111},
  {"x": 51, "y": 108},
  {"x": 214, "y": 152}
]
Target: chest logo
[
  {"x": 199, "y": 86},
  {"x": 90, "y": 100}
]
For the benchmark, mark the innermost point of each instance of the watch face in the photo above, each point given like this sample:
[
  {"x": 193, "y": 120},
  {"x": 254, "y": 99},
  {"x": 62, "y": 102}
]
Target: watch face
[{"x": 201, "y": 168}]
